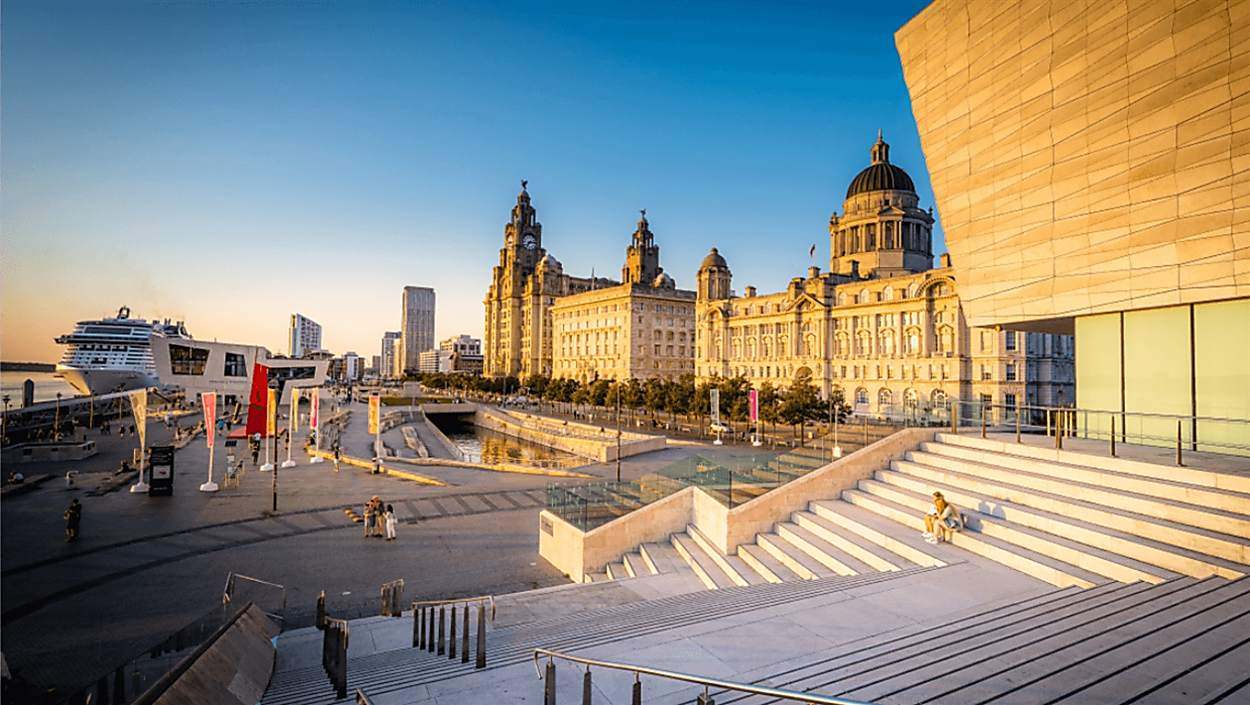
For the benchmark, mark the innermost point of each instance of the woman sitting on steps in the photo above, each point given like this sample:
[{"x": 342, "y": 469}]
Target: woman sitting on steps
[{"x": 941, "y": 520}]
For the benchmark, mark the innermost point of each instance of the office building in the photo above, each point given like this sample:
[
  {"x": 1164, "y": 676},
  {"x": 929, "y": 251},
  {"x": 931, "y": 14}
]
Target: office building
[
  {"x": 392, "y": 355},
  {"x": 417, "y": 330},
  {"x": 304, "y": 336}
]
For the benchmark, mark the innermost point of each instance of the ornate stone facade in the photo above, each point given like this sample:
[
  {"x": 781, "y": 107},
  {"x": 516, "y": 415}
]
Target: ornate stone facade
[
  {"x": 523, "y": 287},
  {"x": 641, "y": 329},
  {"x": 890, "y": 335}
]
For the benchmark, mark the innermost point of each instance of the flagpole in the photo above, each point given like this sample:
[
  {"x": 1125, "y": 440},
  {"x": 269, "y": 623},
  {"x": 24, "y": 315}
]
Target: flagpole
[
  {"x": 314, "y": 408},
  {"x": 290, "y": 434}
]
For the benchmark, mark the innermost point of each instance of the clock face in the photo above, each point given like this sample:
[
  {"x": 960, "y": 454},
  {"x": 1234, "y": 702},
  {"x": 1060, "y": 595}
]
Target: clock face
[{"x": 529, "y": 242}]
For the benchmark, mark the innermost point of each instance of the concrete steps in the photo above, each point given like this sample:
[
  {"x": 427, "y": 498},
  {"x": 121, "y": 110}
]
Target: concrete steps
[
  {"x": 398, "y": 670},
  {"x": 1181, "y": 641},
  {"x": 1066, "y": 518}
]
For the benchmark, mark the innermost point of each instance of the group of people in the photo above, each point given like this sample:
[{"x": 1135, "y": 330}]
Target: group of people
[{"x": 380, "y": 519}]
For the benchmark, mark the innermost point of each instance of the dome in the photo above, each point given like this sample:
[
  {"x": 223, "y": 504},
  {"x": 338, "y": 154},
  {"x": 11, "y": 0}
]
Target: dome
[
  {"x": 881, "y": 175},
  {"x": 664, "y": 281},
  {"x": 713, "y": 259},
  {"x": 550, "y": 263}
]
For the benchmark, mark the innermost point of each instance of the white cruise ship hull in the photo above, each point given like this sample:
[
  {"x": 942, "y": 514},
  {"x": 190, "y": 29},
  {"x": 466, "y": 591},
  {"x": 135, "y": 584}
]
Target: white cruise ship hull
[{"x": 106, "y": 380}]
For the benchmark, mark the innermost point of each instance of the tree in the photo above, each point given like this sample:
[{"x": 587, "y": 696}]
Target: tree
[
  {"x": 654, "y": 395},
  {"x": 800, "y": 404}
]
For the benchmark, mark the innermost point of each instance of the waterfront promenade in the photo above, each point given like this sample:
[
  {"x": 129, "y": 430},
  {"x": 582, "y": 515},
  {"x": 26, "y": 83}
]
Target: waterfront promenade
[{"x": 145, "y": 566}]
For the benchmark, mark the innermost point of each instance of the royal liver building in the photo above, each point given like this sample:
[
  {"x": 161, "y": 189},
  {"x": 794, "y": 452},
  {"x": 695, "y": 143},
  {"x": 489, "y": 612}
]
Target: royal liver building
[
  {"x": 523, "y": 286},
  {"x": 882, "y": 325}
]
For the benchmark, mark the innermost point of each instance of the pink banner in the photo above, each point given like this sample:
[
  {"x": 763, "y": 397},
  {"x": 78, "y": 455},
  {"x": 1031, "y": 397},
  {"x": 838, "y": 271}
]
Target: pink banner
[
  {"x": 754, "y": 397},
  {"x": 209, "y": 401},
  {"x": 314, "y": 409}
]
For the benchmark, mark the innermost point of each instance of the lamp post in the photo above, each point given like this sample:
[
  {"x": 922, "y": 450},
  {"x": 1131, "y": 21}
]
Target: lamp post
[
  {"x": 4, "y": 431},
  {"x": 56, "y": 423},
  {"x": 273, "y": 460},
  {"x": 618, "y": 433}
]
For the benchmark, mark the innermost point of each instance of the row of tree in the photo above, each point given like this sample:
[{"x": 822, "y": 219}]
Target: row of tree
[{"x": 795, "y": 404}]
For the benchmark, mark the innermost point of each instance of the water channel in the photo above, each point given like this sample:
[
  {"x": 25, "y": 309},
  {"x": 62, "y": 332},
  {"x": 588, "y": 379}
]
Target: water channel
[{"x": 481, "y": 445}]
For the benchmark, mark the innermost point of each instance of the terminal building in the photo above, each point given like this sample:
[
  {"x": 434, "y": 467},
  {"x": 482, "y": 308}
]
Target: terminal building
[
  {"x": 1091, "y": 172},
  {"x": 883, "y": 326},
  {"x": 198, "y": 366}
]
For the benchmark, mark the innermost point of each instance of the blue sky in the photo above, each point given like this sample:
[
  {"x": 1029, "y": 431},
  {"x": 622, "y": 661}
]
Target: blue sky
[{"x": 232, "y": 162}]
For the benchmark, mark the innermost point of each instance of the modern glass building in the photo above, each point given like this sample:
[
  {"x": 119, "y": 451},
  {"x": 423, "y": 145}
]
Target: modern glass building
[{"x": 1091, "y": 166}]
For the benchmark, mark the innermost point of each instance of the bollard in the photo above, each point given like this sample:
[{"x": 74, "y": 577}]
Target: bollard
[
  {"x": 481, "y": 636},
  {"x": 1113, "y": 436},
  {"x": 1017, "y": 422},
  {"x": 119, "y": 685},
  {"x": 636, "y": 698},
  {"x": 1178, "y": 443},
  {"x": 705, "y": 698},
  {"x": 416, "y": 626},
  {"x": 549, "y": 683},
  {"x": 983, "y": 417},
  {"x": 954, "y": 411},
  {"x": 464, "y": 644},
  {"x": 586, "y": 688},
  {"x": 442, "y": 622},
  {"x": 451, "y": 637},
  {"x": 429, "y": 632}
]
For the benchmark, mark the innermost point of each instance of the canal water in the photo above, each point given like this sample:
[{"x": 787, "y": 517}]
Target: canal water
[{"x": 481, "y": 445}]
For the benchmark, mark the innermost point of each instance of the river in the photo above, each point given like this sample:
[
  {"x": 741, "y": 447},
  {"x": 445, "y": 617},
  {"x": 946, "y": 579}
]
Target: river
[
  {"x": 481, "y": 445},
  {"x": 47, "y": 384}
]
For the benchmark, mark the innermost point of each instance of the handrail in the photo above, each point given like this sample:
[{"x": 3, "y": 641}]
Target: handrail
[
  {"x": 1113, "y": 412},
  {"x": 705, "y": 681},
  {"x": 228, "y": 590},
  {"x": 458, "y": 600},
  {"x": 361, "y": 698}
]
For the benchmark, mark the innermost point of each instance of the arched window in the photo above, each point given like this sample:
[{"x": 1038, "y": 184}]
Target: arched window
[
  {"x": 862, "y": 344},
  {"x": 841, "y": 299},
  {"x": 938, "y": 399},
  {"x": 913, "y": 341},
  {"x": 885, "y": 398},
  {"x": 888, "y": 294},
  {"x": 861, "y": 396},
  {"x": 885, "y": 343},
  {"x": 889, "y": 236},
  {"x": 946, "y": 339},
  {"x": 911, "y": 399}
]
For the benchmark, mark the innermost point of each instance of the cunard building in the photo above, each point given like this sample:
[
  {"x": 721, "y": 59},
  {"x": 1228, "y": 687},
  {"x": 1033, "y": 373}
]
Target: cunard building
[{"x": 881, "y": 325}]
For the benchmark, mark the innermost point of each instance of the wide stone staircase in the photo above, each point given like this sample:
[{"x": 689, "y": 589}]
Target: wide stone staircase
[
  {"x": 1066, "y": 518},
  {"x": 1185, "y": 640}
]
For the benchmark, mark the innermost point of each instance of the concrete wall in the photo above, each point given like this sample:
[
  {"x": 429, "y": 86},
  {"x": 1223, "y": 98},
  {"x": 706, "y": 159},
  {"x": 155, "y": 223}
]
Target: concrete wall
[
  {"x": 577, "y": 553},
  {"x": 572, "y": 437},
  {"x": 233, "y": 670}
]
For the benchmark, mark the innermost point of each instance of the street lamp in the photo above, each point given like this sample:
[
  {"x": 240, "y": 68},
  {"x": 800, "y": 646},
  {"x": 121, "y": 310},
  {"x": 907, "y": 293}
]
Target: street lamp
[
  {"x": 56, "y": 423},
  {"x": 5, "y": 430}
]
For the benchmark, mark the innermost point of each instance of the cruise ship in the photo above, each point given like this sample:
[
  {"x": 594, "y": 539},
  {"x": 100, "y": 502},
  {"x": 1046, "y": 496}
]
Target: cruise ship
[{"x": 113, "y": 354}]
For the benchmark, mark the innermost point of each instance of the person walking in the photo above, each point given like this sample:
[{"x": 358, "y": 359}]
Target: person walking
[
  {"x": 73, "y": 518},
  {"x": 371, "y": 515},
  {"x": 255, "y": 453},
  {"x": 338, "y": 455},
  {"x": 391, "y": 523}
]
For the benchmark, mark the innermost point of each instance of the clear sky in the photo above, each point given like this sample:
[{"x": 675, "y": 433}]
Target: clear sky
[{"x": 229, "y": 163}]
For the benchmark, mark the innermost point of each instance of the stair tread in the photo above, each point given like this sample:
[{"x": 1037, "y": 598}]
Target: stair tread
[
  {"x": 1067, "y": 568},
  {"x": 1202, "y": 477},
  {"x": 776, "y": 566},
  {"x": 638, "y": 565},
  {"x": 704, "y": 561},
  {"x": 666, "y": 559},
  {"x": 798, "y": 555},
  {"x": 976, "y": 516},
  {"x": 834, "y": 552},
  {"x": 850, "y": 536},
  {"x": 1061, "y": 467},
  {"x": 1242, "y": 540},
  {"x": 1092, "y": 486},
  {"x": 892, "y": 529}
]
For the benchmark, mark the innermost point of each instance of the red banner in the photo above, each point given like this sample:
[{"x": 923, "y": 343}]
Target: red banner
[
  {"x": 209, "y": 401},
  {"x": 314, "y": 409},
  {"x": 754, "y": 397},
  {"x": 257, "y": 400}
]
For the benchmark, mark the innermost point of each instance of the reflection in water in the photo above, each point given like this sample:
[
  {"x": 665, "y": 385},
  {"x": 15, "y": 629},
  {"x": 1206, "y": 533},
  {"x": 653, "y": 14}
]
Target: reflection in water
[{"x": 481, "y": 445}]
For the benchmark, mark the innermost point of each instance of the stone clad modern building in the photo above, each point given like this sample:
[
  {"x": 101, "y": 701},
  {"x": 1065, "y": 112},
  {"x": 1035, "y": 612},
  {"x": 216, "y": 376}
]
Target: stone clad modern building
[
  {"x": 523, "y": 287},
  {"x": 1091, "y": 165},
  {"x": 883, "y": 327},
  {"x": 641, "y": 329}
]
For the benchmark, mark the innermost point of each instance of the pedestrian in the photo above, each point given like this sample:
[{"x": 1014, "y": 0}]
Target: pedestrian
[
  {"x": 73, "y": 517},
  {"x": 391, "y": 523},
  {"x": 369, "y": 517},
  {"x": 255, "y": 454},
  {"x": 338, "y": 455}
]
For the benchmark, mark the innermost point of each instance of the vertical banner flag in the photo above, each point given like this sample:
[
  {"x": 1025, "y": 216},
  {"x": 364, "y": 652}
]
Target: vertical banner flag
[
  {"x": 271, "y": 412},
  {"x": 209, "y": 401},
  {"x": 714, "y": 393},
  {"x": 754, "y": 397},
  {"x": 294, "y": 409},
  {"x": 374, "y": 402},
  {"x": 314, "y": 410},
  {"x": 256, "y": 399},
  {"x": 139, "y": 407}
]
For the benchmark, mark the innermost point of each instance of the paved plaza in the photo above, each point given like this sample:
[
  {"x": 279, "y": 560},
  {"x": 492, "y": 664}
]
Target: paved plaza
[{"x": 145, "y": 566}]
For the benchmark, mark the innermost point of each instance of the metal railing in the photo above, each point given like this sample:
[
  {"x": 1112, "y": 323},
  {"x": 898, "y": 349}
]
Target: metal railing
[
  {"x": 443, "y": 643},
  {"x": 361, "y": 698},
  {"x": 393, "y": 598},
  {"x": 1177, "y": 432},
  {"x": 232, "y": 586},
  {"x": 548, "y": 676},
  {"x": 334, "y": 642}
]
